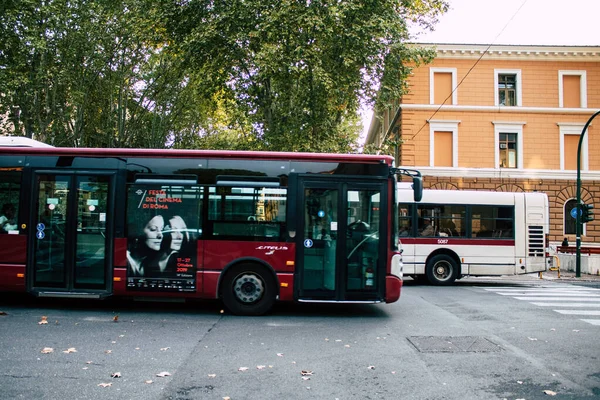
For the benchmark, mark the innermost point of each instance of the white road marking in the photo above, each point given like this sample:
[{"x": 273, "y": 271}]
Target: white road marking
[
  {"x": 538, "y": 298},
  {"x": 592, "y": 321},
  {"x": 566, "y": 304},
  {"x": 578, "y": 312}
]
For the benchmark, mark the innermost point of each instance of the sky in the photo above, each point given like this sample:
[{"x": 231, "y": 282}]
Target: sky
[{"x": 518, "y": 22}]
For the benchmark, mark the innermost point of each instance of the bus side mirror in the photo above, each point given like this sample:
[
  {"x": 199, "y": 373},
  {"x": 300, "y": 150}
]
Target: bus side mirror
[{"x": 417, "y": 187}]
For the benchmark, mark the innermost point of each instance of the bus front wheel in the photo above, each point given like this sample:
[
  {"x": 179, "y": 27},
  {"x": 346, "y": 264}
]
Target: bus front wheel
[
  {"x": 248, "y": 289},
  {"x": 442, "y": 270}
]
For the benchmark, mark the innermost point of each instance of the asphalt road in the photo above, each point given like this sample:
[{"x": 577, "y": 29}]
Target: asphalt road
[{"x": 480, "y": 339}]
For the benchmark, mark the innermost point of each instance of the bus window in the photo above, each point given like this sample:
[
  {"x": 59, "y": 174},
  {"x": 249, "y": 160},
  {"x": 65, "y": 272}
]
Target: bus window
[
  {"x": 257, "y": 212},
  {"x": 9, "y": 201},
  {"x": 492, "y": 221},
  {"x": 405, "y": 220}
]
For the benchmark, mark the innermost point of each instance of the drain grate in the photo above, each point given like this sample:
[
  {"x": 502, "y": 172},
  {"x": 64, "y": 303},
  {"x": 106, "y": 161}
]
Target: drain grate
[{"x": 453, "y": 344}]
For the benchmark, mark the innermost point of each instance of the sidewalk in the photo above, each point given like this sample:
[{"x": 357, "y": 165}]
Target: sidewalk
[{"x": 568, "y": 276}]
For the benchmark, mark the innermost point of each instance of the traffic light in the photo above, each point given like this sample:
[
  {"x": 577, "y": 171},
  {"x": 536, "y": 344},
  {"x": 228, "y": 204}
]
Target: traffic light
[{"x": 587, "y": 213}]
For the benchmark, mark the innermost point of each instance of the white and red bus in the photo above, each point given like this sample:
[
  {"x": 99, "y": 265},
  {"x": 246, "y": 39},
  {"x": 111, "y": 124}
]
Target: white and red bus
[
  {"x": 249, "y": 228},
  {"x": 454, "y": 233}
]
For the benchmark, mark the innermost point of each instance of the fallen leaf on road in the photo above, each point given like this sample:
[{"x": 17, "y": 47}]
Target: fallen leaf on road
[
  {"x": 520, "y": 382},
  {"x": 212, "y": 375},
  {"x": 306, "y": 378},
  {"x": 549, "y": 392},
  {"x": 371, "y": 367},
  {"x": 116, "y": 318},
  {"x": 163, "y": 374},
  {"x": 43, "y": 321},
  {"x": 149, "y": 381},
  {"x": 47, "y": 350},
  {"x": 115, "y": 375},
  {"x": 346, "y": 345},
  {"x": 260, "y": 367},
  {"x": 3, "y": 313},
  {"x": 88, "y": 362},
  {"x": 532, "y": 338},
  {"x": 306, "y": 372},
  {"x": 243, "y": 369},
  {"x": 70, "y": 350},
  {"x": 108, "y": 351},
  {"x": 164, "y": 348},
  {"x": 226, "y": 398},
  {"x": 105, "y": 384},
  {"x": 575, "y": 330},
  {"x": 279, "y": 354}
]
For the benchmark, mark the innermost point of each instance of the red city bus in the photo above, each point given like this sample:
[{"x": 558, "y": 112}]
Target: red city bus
[{"x": 248, "y": 228}]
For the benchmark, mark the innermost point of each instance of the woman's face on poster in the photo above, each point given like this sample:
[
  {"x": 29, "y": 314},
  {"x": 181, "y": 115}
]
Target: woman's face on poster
[
  {"x": 178, "y": 230},
  {"x": 153, "y": 232}
]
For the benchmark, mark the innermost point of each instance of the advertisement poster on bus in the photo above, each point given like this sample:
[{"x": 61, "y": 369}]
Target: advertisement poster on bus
[{"x": 162, "y": 233}]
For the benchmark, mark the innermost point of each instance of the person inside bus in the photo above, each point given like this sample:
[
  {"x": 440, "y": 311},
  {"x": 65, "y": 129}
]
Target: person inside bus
[
  {"x": 405, "y": 230},
  {"x": 144, "y": 249},
  {"x": 428, "y": 229},
  {"x": 7, "y": 218}
]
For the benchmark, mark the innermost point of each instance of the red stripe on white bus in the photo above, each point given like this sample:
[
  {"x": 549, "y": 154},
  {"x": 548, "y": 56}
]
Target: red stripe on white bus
[{"x": 458, "y": 242}]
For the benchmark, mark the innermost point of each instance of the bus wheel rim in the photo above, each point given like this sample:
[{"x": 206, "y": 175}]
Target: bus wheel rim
[
  {"x": 442, "y": 271},
  {"x": 248, "y": 288}
]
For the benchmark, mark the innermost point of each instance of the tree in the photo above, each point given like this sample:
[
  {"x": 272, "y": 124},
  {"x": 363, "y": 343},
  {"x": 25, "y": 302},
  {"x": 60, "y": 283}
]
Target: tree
[{"x": 297, "y": 71}]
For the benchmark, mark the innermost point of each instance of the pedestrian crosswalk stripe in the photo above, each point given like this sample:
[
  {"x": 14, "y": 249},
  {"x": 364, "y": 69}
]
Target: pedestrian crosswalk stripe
[
  {"x": 592, "y": 321},
  {"x": 555, "y": 298},
  {"x": 578, "y": 312},
  {"x": 566, "y": 304},
  {"x": 546, "y": 293}
]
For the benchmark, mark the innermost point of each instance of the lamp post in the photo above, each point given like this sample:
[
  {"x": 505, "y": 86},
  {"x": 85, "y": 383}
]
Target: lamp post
[{"x": 578, "y": 228}]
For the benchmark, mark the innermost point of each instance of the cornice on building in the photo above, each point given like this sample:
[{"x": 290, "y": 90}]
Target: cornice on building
[
  {"x": 507, "y": 173},
  {"x": 514, "y": 52},
  {"x": 499, "y": 109}
]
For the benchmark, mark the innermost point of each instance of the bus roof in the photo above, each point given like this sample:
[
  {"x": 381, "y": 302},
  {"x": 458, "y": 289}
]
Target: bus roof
[
  {"x": 47, "y": 150},
  {"x": 434, "y": 196}
]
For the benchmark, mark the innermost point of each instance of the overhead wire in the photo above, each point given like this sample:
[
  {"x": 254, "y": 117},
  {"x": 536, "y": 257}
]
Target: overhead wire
[{"x": 470, "y": 69}]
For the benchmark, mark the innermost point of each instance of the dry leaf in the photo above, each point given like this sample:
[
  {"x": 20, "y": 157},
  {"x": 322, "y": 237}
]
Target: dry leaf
[
  {"x": 88, "y": 362},
  {"x": 165, "y": 349},
  {"x": 243, "y": 369},
  {"x": 305, "y": 378},
  {"x": 575, "y": 330},
  {"x": 47, "y": 350},
  {"x": 279, "y": 354},
  {"x": 108, "y": 351},
  {"x": 212, "y": 375},
  {"x": 43, "y": 321},
  {"x": 226, "y": 398},
  {"x": 532, "y": 338},
  {"x": 149, "y": 381},
  {"x": 116, "y": 318},
  {"x": 260, "y": 367},
  {"x": 549, "y": 392},
  {"x": 306, "y": 372},
  {"x": 113, "y": 342},
  {"x": 346, "y": 345},
  {"x": 163, "y": 374},
  {"x": 371, "y": 367},
  {"x": 105, "y": 384},
  {"x": 70, "y": 350},
  {"x": 115, "y": 375},
  {"x": 121, "y": 335},
  {"x": 3, "y": 313}
]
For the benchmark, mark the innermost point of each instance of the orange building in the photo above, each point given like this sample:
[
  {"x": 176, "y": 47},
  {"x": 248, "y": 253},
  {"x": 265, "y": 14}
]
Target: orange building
[{"x": 504, "y": 118}]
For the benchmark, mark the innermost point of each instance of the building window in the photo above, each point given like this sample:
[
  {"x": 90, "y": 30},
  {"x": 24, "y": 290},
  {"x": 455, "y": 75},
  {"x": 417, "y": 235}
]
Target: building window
[
  {"x": 508, "y": 150},
  {"x": 443, "y": 137},
  {"x": 442, "y": 82},
  {"x": 508, "y": 87},
  {"x": 569, "y": 143},
  {"x": 572, "y": 89},
  {"x": 509, "y": 144}
]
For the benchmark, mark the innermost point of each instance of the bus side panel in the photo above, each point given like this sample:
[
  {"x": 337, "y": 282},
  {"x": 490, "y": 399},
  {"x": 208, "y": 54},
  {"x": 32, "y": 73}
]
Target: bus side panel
[
  {"x": 218, "y": 255},
  {"x": 13, "y": 255}
]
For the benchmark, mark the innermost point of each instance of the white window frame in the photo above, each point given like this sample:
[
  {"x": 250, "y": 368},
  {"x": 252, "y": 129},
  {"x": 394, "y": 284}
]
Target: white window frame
[
  {"x": 508, "y": 127},
  {"x": 567, "y": 128},
  {"x": 444, "y": 126},
  {"x": 582, "y": 88},
  {"x": 432, "y": 72},
  {"x": 519, "y": 89}
]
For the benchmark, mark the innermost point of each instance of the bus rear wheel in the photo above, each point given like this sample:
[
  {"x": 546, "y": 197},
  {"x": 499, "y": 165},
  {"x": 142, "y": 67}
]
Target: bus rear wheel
[
  {"x": 248, "y": 289},
  {"x": 441, "y": 270}
]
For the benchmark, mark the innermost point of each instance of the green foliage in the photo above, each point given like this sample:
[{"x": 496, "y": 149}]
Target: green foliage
[{"x": 237, "y": 74}]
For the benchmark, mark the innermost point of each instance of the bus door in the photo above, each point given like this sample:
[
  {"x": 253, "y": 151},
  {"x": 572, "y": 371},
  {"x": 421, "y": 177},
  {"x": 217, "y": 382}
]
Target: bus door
[
  {"x": 71, "y": 246},
  {"x": 341, "y": 250}
]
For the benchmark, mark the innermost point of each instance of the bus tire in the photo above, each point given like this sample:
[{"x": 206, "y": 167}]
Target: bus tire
[
  {"x": 248, "y": 289},
  {"x": 441, "y": 270}
]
